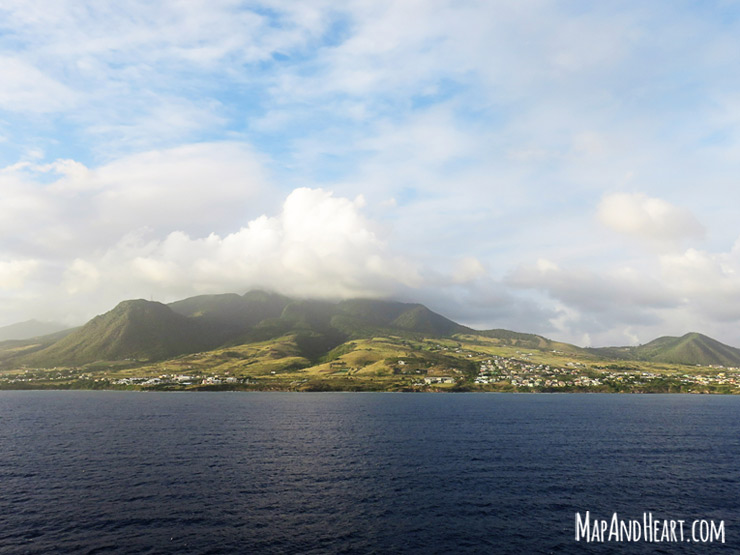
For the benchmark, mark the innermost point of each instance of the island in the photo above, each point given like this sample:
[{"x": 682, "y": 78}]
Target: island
[{"x": 263, "y": 341}]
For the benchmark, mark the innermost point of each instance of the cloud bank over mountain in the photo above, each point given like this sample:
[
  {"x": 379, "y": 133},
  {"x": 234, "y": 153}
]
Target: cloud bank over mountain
[
  {"x": 569, "y": 170},
  {"x": 317, "y": 246}
]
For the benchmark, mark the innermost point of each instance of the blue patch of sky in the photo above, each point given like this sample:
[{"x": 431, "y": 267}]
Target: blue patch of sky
[
  {"x": 457, "y": 165},
  {"x": 52, "y": 137},
  {"x": 331, "y": 168},
  {"x": 681, "y": 107},
  {"x": 278, "y": 57},
  {"x": 10, "y": 42},
  {"x": 272, "y": 16},
  {"x": 441, "y": 91},
  {"x": 339, "y": 30},
  {"x": 67, "y": 143},
  {"x": 250, "y": 99},
  {"x": 406, "y": 196},
  {"x": 722, "y": 12},
  {"x": 719, "y": 137}
]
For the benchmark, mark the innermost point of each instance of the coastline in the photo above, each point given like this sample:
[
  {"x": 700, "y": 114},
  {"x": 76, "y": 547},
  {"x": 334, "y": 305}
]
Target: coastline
[{"x": 317, "y": 388}]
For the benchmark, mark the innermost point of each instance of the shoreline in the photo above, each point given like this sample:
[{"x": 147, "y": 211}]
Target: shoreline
[{"x": 217, "y": 389}]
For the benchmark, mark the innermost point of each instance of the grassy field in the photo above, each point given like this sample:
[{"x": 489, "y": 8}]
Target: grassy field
[{"x": 383, "y": 363}]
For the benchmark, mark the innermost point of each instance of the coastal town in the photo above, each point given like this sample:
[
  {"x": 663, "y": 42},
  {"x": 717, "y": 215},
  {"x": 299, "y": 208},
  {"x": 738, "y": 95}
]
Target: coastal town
[
  {"x": 524, "y": 375},
  {"x": 518, "y": 372}
]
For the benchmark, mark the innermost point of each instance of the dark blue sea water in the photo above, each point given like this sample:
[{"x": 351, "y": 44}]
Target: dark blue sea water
[{"x": 126, "y": 472}]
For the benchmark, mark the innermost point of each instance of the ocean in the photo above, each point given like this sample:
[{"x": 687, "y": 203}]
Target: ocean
[{"x": 144, "y": 472}]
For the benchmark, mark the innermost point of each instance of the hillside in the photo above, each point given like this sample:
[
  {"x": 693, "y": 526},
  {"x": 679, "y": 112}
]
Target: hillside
[
  {"x": 13, "y": 351},
  {"x": 419, "y": 319},
  {"x": 692, "y": 348},
  {"x": 144, "y": 330},
  {"x": 528, "y": 341},
  {"x": 139, "y": 329},
  {"x": 228, "y": 317},
  {"x": 364, "y": 317}
]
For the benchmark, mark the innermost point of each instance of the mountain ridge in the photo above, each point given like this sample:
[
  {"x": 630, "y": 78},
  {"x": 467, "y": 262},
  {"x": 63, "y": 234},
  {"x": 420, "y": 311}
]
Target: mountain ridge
[
  {"x": 134, "y": 329},
  {"x": 690, "y": 348},
  {"x": 140, "y": 330}
]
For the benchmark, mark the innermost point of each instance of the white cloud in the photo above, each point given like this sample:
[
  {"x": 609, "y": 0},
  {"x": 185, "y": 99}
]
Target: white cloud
[
  {"x": 132, "y": 75},
  {"x": 694, "y": 290},
  {"x": 196, "y": 188},
  {"x": 81, "y": 277},
  {"x": 648, "y": 218},
  {"x": 14, "y": 273},
  {"x": 710, "y": 282},
  {"x": 598, "y": 303},
  {"x": 468, "y": 269},
  {"x": 136, "y": 34},
  {"x": 623, "y": 290},
  {"x": 318, "y": 246},
  {"x": 143, "y": 120},
  {"x": 492, "y": 126},
  {"x": 24, "y": 210}
]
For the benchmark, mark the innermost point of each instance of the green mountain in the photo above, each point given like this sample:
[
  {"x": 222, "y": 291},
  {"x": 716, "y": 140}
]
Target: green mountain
[
  {"x": 148, "y": 331},
  {"x": 144, "y": 330},
  {"x": 419, "y": 319},
  {"x": 363, "y": 317},
  {"x": 322, "y": 325},
  {"x": 227, "y": 317},
  {"x": 692, "y": 348},
  {"x": 138, "y": 330}
]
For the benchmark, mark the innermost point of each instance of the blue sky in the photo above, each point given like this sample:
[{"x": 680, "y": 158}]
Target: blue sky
[{"x": 564, "y": 168}]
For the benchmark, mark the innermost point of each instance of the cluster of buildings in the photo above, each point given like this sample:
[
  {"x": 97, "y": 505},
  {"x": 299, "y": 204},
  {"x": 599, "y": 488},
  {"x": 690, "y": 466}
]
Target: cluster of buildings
[
  {"x": 35, "y": 375},
  {"x": 524, "y": 374},
  {"x": 438, "y": 379},
  {"x": 721, "y": 378},
  {"x": 179, "y": 379}
]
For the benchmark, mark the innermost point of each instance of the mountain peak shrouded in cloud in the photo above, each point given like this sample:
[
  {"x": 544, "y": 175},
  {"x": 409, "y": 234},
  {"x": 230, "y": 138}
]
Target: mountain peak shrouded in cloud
[
  {"x": 147, "y": 330},
  {"x": 319, "y": 245},
  {"x": 313, "y": 331},
  {"x": 408, "y": 150}
]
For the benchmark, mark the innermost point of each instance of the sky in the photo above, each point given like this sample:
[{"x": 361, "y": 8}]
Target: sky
[{"x": 567, "y": 168}]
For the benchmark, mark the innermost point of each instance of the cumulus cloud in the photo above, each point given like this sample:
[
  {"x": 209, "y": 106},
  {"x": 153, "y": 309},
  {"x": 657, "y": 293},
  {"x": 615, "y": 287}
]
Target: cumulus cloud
[
  {"x": 648, "y": 218},
  {"x": 164, "y": 223},
  {"x": 318, "y": 246}
]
